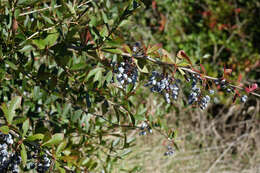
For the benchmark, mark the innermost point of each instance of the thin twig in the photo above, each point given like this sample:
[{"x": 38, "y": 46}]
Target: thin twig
[
  {"x": 46, "y": 8},
  {"x": 39, "y": 10},
  {"x": 46, "y": 29}
]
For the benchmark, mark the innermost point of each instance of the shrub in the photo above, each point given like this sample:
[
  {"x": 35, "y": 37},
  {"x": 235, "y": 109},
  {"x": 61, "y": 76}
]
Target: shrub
[{"x": 72, "y": 88}]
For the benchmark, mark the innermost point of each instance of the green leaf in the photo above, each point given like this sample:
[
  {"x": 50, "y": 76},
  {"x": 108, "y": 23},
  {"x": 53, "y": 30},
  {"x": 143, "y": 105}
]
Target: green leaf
[
  {"x": 140, "y": 117},
  {"x": 104, "y": 32},
  {"x": 104, "y": 16},
  {"x": 47, "y": 41},
  {"x": 36, "y": 93},
  {"x": 39, "y": 43},
  {"x": 79, "y": 66},
  {"x": 15, "y": 103},
  {"x": 183, "y": 64},
  {"x": 9, "y": 112},
  {"x": 23, "y": 154},
  {"x": 127, "y": 48},
  {"x": 181, "y": 71},
  {"x": 48, "y": 20},
  {"x": 38, "y": 136},
  {"x": 11, "y": 64},
  {"x": 66, "y": 110},
  {"x": 4, "y": 129},
  {"x": 6, "y": 112},
  {"x": 167, "y": 59},
  {"x": 98, "y": 76},
  {"x": 94, "y": 72},
  {"x": 61, "y": 146},
  {"x": 126, "y": 152},
  {"x": 143, "y": 70},
  {"x": 71, "y": 9},
  {"x": 58, "y": 166},
  {"x": 26, "y": 48},
  {"x": 56, "y": 139},
  {"x": 25, "y": 127},
  {"x": 109, "y": 76},
  {"x": 153, "y": 48},
  {"x": 51, "y": 38},
  {"x": 19, "y": 120}
]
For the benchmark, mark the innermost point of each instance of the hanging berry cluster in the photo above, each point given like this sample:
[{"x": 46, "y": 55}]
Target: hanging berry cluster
[
  {"x": 125, "y": 72},
  {"x": 165, "y": 85},
  {"x": 196, "y": 95},
  {"x": 11, "y": 160},
  {"x": 145, "y": 127},
  {"x": 44, "y": 164},
  {"x": 169, "y": 151}
]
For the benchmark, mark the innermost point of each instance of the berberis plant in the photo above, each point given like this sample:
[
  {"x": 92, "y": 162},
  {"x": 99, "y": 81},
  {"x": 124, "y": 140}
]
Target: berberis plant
[{"x": 71, "y": 86}]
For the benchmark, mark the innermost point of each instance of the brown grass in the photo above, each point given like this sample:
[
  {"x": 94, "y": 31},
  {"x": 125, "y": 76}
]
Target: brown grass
[{"x": 222, "y": 139}]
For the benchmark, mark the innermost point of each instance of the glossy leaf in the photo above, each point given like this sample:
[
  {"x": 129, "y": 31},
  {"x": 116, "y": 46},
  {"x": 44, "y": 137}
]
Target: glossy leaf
[
  {"x": 94, "y": 72},
  {"x": 34, "y": 137},
  {"x": 153, "y": 48},
  {"x": 25, "y": 127},
  {"x": 23, "y": 154},
  {"x": 55, "y": 139},
  {"x": 4, "y": 129},
  {"x": 9, "y": 112}
]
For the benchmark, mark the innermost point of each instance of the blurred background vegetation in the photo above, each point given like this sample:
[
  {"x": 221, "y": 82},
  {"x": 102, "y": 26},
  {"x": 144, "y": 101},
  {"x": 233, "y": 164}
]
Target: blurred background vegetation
[
  {"x": 49, "y": 48},
  {"x": 220, "y": 33}
]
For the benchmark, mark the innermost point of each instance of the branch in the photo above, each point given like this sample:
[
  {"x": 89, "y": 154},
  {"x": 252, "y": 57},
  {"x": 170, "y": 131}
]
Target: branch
[
  {"x": 167, "y": 64},
  {"x": 182, "y": 68},
  {"x": 34, "y": 34}
]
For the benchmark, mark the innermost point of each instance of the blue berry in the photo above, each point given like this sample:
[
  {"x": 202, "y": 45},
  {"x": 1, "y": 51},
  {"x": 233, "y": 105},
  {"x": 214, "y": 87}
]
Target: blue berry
[
  {"x": 170, "y": 151},
  {"x": 243, "y": 99},
  {"x": 126, "y": 73},
  {"x": 211, "y": 92},
  {"x": 142, "y": 133},
  {"x": 164, "y": 85}
]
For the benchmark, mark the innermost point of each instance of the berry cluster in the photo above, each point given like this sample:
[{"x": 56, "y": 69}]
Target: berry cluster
[
  {"x": 204, "y": 102},
  {"x": 223, "y": 84},
  {"x": 169, "y": 151},
  {"x": 35, "y": 160},
  {"x": 165, "y": 85},
  {"x": 145, "y": 127},
  {"x": 44, "y": 164},
  {"x": 8, "y": 161},
  {"x": 195, "y": 95},
  {"x": 126, "y": 72},
  {"x": 137, "y": 49},
  {"x": 6, "y": 138}
]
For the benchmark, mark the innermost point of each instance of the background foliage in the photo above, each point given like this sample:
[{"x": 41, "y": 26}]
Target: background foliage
[{"x": 56, "y": 94}]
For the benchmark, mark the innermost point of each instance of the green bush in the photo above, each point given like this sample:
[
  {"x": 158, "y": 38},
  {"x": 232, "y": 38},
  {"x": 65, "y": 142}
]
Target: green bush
[{"x": 60, "y": 98}]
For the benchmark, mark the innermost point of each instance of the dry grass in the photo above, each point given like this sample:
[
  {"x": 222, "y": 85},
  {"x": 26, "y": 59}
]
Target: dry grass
[{"x": 222, "y": 139}]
